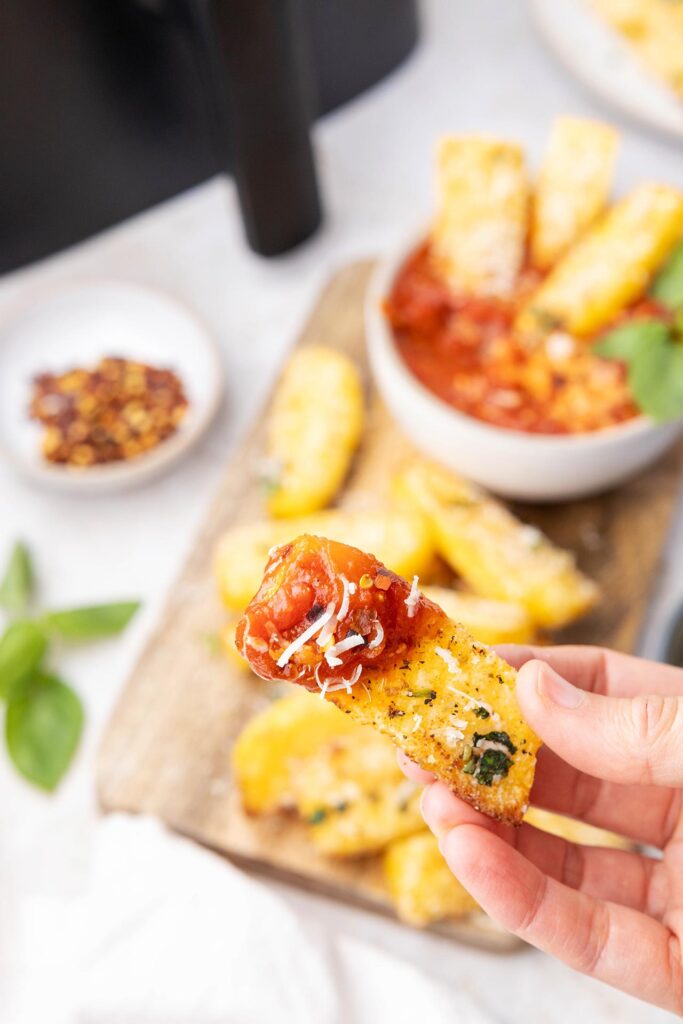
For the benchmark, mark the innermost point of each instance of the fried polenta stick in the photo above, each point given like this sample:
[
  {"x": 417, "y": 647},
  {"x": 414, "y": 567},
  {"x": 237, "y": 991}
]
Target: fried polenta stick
[
  {"x": 274, "y": 742},
  {"x": 654, "y": 29},
  {"x": 498, "y": 556},
  {"x": 334, "y": 619},
  {"x": 479, "y": 234},
  {"x": 354, "y": 796},
  {"x": 421, "y": 886},
  {"x": 313, "y": 430},
  {"x": 398, "y": 537},
  {"x": 610, "y": 266},
  {"x": 573, "y": 185}
]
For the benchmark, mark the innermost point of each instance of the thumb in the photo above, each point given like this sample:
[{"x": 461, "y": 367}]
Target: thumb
[{"x": 628, "y": 740}]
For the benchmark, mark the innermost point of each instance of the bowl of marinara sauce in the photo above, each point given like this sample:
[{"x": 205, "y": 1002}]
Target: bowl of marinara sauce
[{"x": 549, "y": 422}]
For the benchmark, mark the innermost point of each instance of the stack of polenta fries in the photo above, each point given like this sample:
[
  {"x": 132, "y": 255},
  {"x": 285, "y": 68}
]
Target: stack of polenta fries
[{"x": 340, "y": 778}]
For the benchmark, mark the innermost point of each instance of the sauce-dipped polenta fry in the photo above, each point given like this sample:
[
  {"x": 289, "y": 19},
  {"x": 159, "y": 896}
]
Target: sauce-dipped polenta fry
[
  {"x": 333, "y": 619},
  {"x": 313, "y": 431},
  {"x": 496, "y": 554}
]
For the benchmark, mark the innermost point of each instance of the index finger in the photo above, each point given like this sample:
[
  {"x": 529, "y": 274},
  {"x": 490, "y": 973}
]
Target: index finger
[{"x": 599, "y": 670}]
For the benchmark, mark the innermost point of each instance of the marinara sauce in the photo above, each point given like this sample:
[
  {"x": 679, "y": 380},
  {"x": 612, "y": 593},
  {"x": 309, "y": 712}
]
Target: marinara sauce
[{"x": 463, "y": 348}]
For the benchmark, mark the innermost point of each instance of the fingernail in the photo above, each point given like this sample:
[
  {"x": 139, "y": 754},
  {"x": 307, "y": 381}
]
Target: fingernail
[{"x": 558, "y": 691}]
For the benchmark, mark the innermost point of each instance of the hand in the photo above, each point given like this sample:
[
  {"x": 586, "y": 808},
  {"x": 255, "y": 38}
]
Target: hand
[{"x": 614, "y": 758}]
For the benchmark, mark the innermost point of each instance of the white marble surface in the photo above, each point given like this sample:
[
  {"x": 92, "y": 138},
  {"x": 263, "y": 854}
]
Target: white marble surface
[{"x": 480, "y": 66}]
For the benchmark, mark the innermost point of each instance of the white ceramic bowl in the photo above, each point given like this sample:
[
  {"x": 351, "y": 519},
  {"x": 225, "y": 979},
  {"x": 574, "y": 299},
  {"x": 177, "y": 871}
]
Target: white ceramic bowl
[
  {"x": 530, "y": 467},
  {"x": 76, "y": 326}
]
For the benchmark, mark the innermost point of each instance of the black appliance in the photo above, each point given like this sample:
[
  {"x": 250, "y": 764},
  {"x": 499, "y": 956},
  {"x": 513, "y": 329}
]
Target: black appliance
[{"x": 110, "y": 106}]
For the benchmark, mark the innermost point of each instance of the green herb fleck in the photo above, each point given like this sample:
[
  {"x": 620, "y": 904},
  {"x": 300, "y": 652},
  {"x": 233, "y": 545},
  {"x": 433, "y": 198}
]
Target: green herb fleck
[
  {"x": 481, "y": 712},
  {"x": 317, "y": 816},
  {"x": 429, "y": 695},
  {"x": 470, "y": 765}
]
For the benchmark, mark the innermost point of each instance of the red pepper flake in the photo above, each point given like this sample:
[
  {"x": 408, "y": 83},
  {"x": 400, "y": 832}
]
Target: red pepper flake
[
  {"x": 111, "y": 413},
  {"x": 382, "y": 580}
]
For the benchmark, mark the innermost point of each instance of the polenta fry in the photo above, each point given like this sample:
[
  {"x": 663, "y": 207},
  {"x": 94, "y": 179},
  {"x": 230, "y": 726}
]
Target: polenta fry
[
  {"x": 497, "y": 556},
  {"x": 479, "y": 234},
  {"x": 353, "y": 795},
  {"x": 573, "y": 185},
  {"x": 489, "y": 621},
  {"x": 334, "y": 619},
  {"x": 421, "y": 886},
  {"x": 398, "y": 537},
  {"x": 610, "y": 266},
  {"x": 274, "y": 741},
  {"x": 313, "y": 431}
]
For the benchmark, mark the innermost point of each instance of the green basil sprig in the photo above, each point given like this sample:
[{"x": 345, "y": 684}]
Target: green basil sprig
[
  {"x": 43, "y": 715},
  {"x": 653, "y": 349}
]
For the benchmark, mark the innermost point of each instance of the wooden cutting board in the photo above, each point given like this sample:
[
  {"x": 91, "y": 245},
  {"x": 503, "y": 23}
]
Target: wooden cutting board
[{"x": 166, "y": 751}]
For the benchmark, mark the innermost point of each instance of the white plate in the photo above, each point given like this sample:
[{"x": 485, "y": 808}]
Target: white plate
[
  {"x": 604, "y": 62},
  {"x": 79, "y": 325}
]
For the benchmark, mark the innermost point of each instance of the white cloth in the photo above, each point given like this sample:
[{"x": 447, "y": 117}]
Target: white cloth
[{"x": 177, "y": 935}]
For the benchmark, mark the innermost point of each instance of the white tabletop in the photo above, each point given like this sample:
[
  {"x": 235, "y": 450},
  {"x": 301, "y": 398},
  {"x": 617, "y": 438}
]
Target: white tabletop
[{"x": 480, "y": 66}]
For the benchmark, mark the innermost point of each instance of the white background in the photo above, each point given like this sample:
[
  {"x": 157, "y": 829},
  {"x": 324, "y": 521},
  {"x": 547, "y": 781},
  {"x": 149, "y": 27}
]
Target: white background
[{"x": 480, "y": 66}]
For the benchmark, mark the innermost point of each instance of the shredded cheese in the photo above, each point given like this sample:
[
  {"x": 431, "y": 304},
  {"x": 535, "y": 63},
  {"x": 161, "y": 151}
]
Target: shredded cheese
[
  {"x": 453, "y": 736},
  {"x": 378, "y": 637},
  {"x": 297, "y": 644},
  {"x": 349, "y": 588},
  {"x": 412, "y": 598},
  {"x": 332, "y": 656},
  {"x": 450, "y": 659}
]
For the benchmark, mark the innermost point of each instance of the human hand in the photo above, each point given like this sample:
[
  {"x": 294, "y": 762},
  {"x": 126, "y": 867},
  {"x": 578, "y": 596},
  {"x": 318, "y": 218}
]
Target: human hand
[{"x": 613, "y": 757}]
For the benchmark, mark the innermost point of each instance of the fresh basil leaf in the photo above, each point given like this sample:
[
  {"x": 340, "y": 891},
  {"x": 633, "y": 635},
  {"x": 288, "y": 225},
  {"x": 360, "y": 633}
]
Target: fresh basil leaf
[
  {"x": 16, "y": 587},
  {"x": 43, "y": 725},
  {"x": 623, "y": 343},
  {"x": 668, "y": 285},
  {"x": 92, "y": 621},
  {"x": 656, "y": 380},
  {"x": 22, "y": 647}
]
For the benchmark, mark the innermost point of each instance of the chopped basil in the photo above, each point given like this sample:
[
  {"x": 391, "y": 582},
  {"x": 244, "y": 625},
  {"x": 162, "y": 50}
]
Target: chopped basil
[
  {"x": 318, "y": 815},
  {"x": 490, "y": 764},
  {"x": 470, "y": 765},
  {"x": 481, "y": 712},
  {"x": 496, "y": 737}
]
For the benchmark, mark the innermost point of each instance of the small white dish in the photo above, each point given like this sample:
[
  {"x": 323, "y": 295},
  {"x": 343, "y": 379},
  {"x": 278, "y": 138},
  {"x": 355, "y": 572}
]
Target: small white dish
[
  {"x": 75, "y": 327},
  {"x": 514, "y": 464},
  {"x": 599, "y": 58}
]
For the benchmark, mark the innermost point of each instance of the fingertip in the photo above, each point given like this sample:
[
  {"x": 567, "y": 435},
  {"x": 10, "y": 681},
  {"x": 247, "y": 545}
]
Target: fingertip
[{"x": 527, "y": 686}]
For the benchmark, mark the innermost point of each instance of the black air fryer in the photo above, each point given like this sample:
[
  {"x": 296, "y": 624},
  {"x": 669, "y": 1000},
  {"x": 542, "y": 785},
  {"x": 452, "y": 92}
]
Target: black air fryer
[{"x": 109, "y": 106}]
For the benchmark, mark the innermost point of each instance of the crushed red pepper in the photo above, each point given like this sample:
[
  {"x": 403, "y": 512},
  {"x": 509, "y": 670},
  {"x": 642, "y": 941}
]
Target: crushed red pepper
[{"x": 113, "y": 412}]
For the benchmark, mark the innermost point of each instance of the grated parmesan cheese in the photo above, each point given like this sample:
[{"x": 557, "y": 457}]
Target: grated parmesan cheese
[
  {"x": 332, "y": 656},
  {"x": 412, "y": 598},
  {"x": 378, "y": 637},
  {"x": 297, "y": 644}
]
